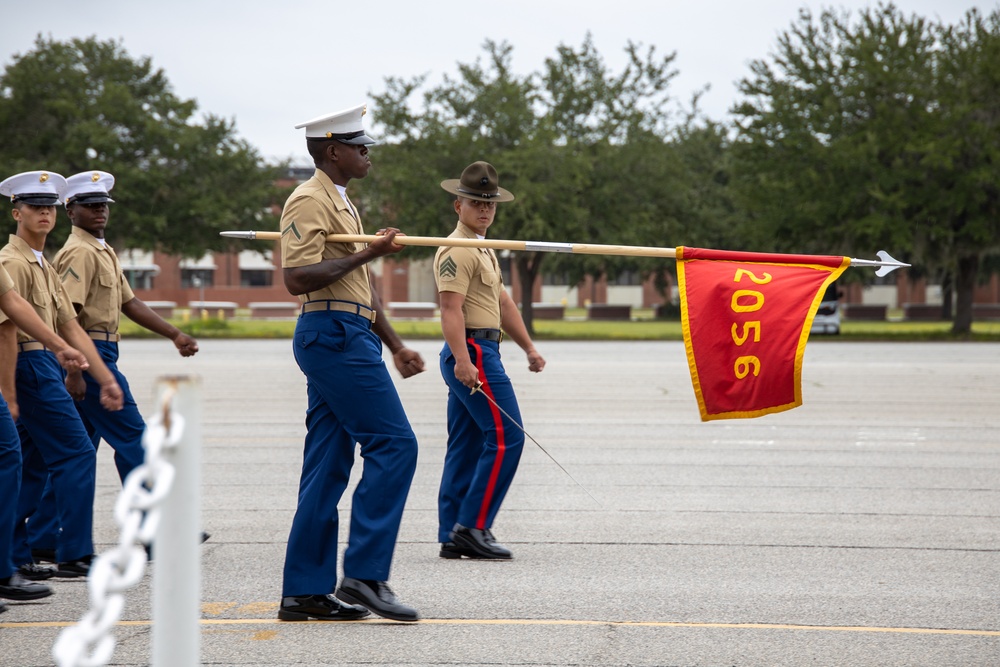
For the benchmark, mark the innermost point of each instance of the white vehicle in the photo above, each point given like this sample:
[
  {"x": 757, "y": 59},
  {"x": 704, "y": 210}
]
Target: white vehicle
[{"x": 827, "y": 320}]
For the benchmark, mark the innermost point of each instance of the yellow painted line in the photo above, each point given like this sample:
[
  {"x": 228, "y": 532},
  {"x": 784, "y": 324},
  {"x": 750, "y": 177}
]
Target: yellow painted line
[
  {"x": 539, "y": 622},
  {"x": 259, "y": 608},
  {"x": 216, "y": 608}
]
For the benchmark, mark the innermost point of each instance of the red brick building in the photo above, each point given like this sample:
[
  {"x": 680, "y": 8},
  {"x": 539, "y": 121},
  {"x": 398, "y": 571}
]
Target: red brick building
[{"x": 254, "y": 276}]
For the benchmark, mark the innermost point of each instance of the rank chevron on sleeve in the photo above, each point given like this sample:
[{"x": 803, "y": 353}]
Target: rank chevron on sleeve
[{"x": 448, "y": 268}]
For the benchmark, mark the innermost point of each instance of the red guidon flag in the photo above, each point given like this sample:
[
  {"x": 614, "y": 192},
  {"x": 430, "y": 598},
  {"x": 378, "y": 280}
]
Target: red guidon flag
[{"x": 746, "y": 319}]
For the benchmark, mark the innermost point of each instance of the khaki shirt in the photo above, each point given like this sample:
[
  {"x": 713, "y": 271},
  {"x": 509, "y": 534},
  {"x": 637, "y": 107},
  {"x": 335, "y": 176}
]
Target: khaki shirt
[
  {"x": 93, "y": 280},
  {"x": 6, "y": 282},
  {"x": 314, "y": 210},
  {"x": 39, "y": 286},
  {"x": 475, "y": 273}
]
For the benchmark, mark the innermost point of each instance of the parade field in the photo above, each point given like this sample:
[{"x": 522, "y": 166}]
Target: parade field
[{"x": 860, "y": 529}]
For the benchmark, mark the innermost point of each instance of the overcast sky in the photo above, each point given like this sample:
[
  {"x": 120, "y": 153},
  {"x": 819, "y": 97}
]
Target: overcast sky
[{"x": 270, "y": 65}]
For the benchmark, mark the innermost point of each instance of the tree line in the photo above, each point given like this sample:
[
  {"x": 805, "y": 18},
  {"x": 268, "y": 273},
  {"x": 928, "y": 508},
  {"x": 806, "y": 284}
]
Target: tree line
[
  {"x": 861, "y": 131},
  {"x": 86, "y": 104}
]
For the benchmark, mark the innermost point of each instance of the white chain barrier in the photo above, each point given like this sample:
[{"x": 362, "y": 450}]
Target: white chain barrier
[{"x": 90, "y": 643}]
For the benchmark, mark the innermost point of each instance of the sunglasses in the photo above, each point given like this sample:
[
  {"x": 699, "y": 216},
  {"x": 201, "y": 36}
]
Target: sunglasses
[{"x": 478, "y": 203}]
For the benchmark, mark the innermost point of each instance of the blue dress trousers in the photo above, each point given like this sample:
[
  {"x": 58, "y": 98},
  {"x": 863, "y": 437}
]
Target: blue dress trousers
[
  {"x": 53, "y": 443},
  {"x": 351, "y": 399},
  {"x": 122, "y": 430},
  {"x": 484, "y": 447},
  {"x": 10, "y": 487}
]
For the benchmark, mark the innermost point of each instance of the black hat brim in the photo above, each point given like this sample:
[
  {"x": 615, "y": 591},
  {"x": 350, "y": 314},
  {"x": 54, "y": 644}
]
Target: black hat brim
[
  {"x": 359, "y": 140},
  {"x": 454, "y": 186},
  {"x": 95, "y": 198},
  {"x": 363, "y": 140},
  {"x": 38, "y": 200}
]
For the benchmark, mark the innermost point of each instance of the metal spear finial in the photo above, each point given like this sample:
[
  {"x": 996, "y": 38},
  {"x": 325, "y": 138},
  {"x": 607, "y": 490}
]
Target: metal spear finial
[{"x": 886, "y": 263}]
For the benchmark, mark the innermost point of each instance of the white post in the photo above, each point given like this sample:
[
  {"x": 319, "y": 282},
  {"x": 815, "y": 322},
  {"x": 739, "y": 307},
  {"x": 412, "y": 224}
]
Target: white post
[{"x": 176, "y": 549}]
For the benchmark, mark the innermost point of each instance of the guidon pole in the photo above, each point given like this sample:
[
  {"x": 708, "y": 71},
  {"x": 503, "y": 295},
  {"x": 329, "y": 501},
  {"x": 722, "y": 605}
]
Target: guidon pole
[{"x": 885, "y": 262}]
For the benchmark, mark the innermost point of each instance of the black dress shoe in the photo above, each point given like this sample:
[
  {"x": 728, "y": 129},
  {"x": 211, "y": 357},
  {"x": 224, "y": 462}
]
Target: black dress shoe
[
  {"x": 452, "y": 550},
  {"x": 479, "y": 542},
  {"x": 16, "y": 587},
  {"x": 75, "y": 568},
  {"x": 319, "y": 607},
  {"x": 44, "y": 555},
  {"x": 35, "y": 572},
  {"x": 376, "y": 596}
]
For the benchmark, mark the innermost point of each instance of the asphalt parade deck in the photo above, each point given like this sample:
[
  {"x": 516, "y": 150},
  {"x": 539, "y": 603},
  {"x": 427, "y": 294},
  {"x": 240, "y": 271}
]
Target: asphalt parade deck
[{"x": 862, "y": 528}]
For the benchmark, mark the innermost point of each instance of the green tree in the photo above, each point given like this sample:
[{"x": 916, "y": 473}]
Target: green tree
[
  {"x": 879, "y": 131},
  {"x": 573, "y": 142},
  {"x": 962, "y": 222},
  {"x": 86, "y": 104}
]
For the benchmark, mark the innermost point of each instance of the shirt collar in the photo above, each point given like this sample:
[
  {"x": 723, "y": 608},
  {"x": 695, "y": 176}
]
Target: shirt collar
[
  {"x": 88, "y": 238},
  {"x": 340, "y": 201},
  {"x": 22, "y": 247},
  {"x": 467, "y": 231}
]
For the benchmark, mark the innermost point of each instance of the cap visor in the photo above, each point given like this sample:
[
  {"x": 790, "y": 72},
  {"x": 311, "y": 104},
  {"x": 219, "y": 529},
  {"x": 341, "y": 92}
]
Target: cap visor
[
  {"x": 92, "y": 199},
  {"x": 40, "y": 201},
  {"x": 363, "y": 140}
]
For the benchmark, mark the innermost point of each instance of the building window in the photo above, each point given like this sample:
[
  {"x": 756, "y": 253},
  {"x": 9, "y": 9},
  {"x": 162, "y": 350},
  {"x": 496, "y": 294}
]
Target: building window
[
  {"x": 255, "y": 278},
  {"x": 506, "y": 263},
  {"x": 139, "y": 278},
  {"x": 627, "y": 278},
  {"x": 139, "y": 268},
  {"x": 555, "y": 278},
  {"x": 256, "y": 268},
  {"x": 197, "y": 278},
  {"x": 198, "y": 272}
]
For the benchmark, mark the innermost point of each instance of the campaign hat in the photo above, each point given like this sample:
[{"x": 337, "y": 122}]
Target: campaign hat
[{"x": 480, "y": 182}]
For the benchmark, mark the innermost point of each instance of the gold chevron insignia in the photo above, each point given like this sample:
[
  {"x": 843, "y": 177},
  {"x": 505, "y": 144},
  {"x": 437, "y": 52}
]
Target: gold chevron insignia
[
  {"x": 448, "y": 268},
  {"x": 293, "y": 229}
]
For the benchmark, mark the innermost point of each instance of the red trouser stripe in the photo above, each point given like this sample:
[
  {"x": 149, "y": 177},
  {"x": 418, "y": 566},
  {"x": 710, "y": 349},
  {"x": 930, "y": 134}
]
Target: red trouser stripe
[{"x": 501, "y": 445}]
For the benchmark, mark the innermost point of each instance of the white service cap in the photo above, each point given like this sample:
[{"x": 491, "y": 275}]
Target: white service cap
[
  {"x": 39, "y": 188},
  {"x": 344, "y": 126},
  {"x": 89, "y": 187}
]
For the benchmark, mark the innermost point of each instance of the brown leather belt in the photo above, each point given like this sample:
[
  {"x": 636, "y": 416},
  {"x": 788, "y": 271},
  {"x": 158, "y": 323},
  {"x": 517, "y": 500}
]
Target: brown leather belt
[
  {"x": 486, "y": 334},
  {"x": 342, "y": 306},
  {"x": 104, "y": 335},
  {"x": 30, "y": 346}
]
